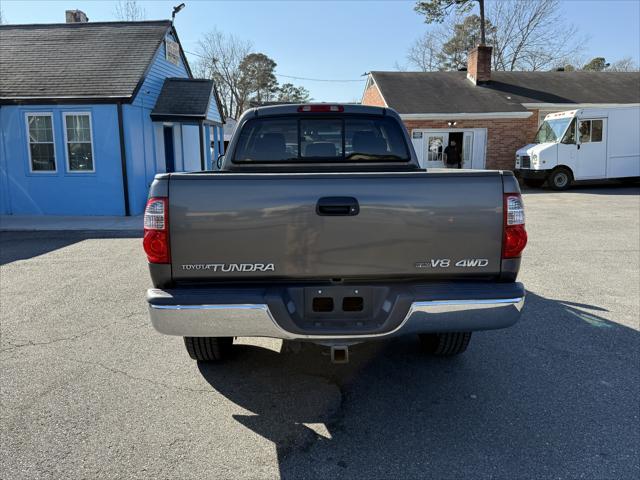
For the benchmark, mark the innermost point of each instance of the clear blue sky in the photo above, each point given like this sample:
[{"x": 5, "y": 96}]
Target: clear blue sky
[{"x": 334, "y": 40}]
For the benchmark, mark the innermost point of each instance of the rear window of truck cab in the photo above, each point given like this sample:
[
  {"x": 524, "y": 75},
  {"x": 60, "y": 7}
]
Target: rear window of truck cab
[{"x": 321, "y": 139}]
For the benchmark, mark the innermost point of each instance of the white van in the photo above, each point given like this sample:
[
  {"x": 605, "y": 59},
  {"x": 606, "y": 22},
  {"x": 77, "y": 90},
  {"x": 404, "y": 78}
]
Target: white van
[{"x": 585, "y": 144}]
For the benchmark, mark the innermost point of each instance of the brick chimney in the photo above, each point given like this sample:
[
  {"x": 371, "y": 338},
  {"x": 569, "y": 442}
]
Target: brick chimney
[
  {"x": 479, "y": 64},
  {"x": 75, "y": 16}
]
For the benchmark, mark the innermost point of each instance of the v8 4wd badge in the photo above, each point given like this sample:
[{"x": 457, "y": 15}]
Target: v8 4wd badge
[{"x": 447, "y": 263}]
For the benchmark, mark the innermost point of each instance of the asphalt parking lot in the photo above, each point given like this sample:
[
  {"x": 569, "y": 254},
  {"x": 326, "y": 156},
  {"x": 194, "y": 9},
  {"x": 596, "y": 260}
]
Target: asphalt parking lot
[{"x": 89, "y": 390}]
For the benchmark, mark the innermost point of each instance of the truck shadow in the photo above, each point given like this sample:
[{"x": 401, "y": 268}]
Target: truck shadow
[
  {"x": 16, "y": 246},
  {"x": 556, "y": 395},
  {"x": 603, "y": 187}
]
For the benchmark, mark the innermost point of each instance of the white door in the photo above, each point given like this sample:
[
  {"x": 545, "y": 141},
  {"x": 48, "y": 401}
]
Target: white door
[
  {"x": 434, "y": 149},
  {"x": 592, "y": 148},
  {"x": 417, "y": 140},
  {"x": 467, "y": 150},
  {"x": 479, "y": 148}
]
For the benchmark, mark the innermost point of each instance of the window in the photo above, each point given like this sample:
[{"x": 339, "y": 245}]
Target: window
[
  {"x": 436, "y": 148},
  {"x": 552, "y": 130},
  {"x": 321, "y": 138},
  {"x": 78, "y": 142},
  {"x": 373, "y": 138},
  {"x": 585, "y": 131},
  {"x": 590, "y": 131},
  {"x": 268, "y": 140},
  {"x": 42, "y": 155},
  {"x": 570, "y": 135},
  {"x": 304, "y": 139},
  {"x": 596, "y": 130}
]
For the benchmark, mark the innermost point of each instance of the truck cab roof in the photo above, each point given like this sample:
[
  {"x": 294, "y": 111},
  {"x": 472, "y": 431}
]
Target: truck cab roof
[
  {"x": 319, "y": 137},
  {"x": 295, "y": 108}
]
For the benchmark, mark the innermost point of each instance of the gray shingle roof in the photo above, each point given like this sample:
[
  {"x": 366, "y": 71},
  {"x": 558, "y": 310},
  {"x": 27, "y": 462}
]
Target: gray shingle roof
[
  {"x": 84, "y": 60},
  {"x": 451, "y": 92},
  {"x": 184, "y": 97}
]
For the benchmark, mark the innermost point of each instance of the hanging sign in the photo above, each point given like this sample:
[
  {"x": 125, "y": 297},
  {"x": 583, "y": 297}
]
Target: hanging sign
[{"x": 172, "y": 50}]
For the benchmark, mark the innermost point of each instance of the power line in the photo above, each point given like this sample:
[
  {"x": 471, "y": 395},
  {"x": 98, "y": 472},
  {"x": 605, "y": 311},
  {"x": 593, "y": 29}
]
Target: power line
[
  {"x": 294, "y": 77},
  {"x": 319, "y": 79}
]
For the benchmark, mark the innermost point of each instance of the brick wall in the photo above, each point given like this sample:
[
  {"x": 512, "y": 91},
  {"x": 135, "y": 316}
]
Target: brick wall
[
  {"x": 504, "y": 136},
  {"x": 372, "y": 96}
]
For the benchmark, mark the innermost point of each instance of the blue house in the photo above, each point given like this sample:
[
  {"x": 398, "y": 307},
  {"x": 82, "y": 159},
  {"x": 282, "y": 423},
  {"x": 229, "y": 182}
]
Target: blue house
[{"x": 90, "y": 112}]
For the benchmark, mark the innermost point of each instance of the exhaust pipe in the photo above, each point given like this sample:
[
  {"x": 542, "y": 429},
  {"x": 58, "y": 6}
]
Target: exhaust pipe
[{"x": 339, "y": 354}]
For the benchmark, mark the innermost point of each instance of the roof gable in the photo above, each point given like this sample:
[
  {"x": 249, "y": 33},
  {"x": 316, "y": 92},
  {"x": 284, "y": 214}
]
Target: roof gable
[
  {"x": 159, "y": 70},
  {"x": 451, "y": 92},
  {"x": 186, "y": 98},
  {"x": 77, "y": 60}
]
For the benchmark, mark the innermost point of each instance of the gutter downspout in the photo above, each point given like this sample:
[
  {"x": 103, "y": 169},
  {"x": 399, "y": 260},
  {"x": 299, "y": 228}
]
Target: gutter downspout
[
  {"x": 201, "y": 130},
  {"x": 123, "y": 162}
]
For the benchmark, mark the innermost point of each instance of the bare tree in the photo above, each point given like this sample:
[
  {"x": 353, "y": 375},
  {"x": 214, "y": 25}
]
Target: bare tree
[
  {"x": 2, "y": 17},
  {"x": 524, "y": 34},
  {"x": 220, "y": 57},
  {"x": 435, "y": 11},
  {"x": 424, "y": 54},
  {"x": 129, "y": 11},
  {"x": 531, "y": 35},
  {"x": 570, "y": 64},
  {"x": 625, "y": 64},
  {"x": 455, "y": 50},
  {"x": 446, "y": 47},
  {"x": 598, "y": 64},
  {"x": 400, "y": 67}
]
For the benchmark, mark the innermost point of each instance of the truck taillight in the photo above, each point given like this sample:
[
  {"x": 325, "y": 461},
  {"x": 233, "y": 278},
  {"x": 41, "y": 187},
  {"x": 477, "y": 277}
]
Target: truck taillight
[
  {"x": 515, "y": 236},
  {"x": 156, "y": 230}
]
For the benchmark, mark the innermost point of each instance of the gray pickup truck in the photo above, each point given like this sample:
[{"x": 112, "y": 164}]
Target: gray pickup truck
[{"x": 320, "y": 226}]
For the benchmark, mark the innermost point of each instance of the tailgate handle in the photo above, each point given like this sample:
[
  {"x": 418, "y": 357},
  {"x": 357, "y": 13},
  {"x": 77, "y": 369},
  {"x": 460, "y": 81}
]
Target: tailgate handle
[{"x": 337, "y": 206}]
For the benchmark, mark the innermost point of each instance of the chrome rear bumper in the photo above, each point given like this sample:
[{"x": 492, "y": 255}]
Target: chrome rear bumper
[{"x": 257, "y": 320}]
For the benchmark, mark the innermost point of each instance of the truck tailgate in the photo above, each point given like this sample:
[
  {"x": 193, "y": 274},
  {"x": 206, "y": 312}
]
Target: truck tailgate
[{"x": 257, "y": 226}]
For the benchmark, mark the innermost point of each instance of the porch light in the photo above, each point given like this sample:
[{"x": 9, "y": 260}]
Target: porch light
[{"x": 452, "y": 123}]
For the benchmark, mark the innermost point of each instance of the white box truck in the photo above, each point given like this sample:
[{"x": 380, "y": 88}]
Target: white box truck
[{"x": 584, "y": 144}]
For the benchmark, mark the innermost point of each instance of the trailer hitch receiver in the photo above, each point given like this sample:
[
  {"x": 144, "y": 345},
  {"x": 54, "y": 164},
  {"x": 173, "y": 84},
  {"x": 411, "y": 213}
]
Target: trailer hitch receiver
[{"x": 340, "y": 354}]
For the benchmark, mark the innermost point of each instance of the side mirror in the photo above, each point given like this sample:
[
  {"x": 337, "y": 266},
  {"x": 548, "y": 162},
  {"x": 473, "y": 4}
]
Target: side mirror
[{"x": 220, "y": 161}]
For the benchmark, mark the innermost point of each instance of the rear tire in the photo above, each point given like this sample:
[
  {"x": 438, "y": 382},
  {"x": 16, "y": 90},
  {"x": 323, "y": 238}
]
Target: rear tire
[
  {"x": 208, "y": 349},
  {"x": 560, "y": 179},
  {"x": 533, "y": 182},
  {"x": 445, "y": 344}
]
